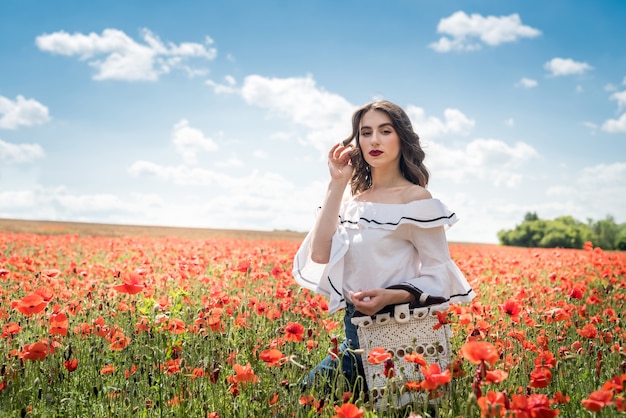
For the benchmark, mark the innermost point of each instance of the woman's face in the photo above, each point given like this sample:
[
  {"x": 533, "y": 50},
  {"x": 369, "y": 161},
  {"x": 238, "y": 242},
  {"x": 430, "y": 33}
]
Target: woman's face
[{"x": 379, "y": 141}]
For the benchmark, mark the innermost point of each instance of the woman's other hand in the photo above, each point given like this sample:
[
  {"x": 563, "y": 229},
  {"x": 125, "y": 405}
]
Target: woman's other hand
[{"x": 369, "y": 302}]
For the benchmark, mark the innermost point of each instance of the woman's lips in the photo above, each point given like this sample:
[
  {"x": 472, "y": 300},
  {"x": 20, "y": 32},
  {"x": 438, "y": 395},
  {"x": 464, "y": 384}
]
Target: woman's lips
[{"x": 375, "y": 153}]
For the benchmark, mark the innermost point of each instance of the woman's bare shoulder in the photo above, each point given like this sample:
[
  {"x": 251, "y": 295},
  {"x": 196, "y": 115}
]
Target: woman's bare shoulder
[{"x": 416, "y": 192}]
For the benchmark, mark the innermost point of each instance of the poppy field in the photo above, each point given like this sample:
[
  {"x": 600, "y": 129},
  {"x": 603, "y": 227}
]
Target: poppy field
[{"x": 167, "y": 327}]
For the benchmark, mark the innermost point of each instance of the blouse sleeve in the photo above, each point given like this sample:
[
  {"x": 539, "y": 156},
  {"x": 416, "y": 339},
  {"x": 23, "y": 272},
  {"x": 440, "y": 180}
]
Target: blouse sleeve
[
  {"x": 438, "y": 273},
  {"x": 325, "y": 279}
]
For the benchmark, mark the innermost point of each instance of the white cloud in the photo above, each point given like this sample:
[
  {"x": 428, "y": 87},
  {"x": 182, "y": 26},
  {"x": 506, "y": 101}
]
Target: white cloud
[
  {"x": 566, "y": 66},
  {"x": 22, "y": 153},
  {"x": 620, "y": 97},
  {"x": 323, "y": 114},
  {"x": 190, "y": 141},
  {"x": 590, "y": 125},
  {"x": 595, "y": 192},
  {"x": 246, "y": 201},
  {"x": 468, "y": 33},
  {"x": 116, "y": 56},
  {"x": 615, "y": 125},
  {"x": 510, "y": 122},
  {"x": 47, "y": 201},
  {"x": 180, "y": 175},
  {"x": 261, "y": 155},
  {"x": 485, "y": 159},
  {"x": 22, "y": 112},
  {"x": 604, "y": 174},
  {"x": 229, "y": 162},
  {"x": 229, "y": 87},
  {"x": 456, "y": 122},
  {"x": 527, "y": 83}
]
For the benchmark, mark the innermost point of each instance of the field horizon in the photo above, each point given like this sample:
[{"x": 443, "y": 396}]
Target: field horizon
[{"x": 45, "y": 227}]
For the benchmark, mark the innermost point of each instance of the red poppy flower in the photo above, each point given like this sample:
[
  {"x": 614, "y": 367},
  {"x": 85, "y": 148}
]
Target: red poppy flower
[
  {"x": 100, "y": 328},
  {"x": 172, "y": 366},
  {"x": 133, "y": 284},
  {"x": 535, "y": 405},
  {"x": 294, "y": 332},
  {"x": 272, "y": 357},
  {"x": 71, "y": 365},
  {"x": 478, "y": 351},
  {"x": 9, "y": 329},
  {"x": 546, "y": 358},
  {"x": 59, "y": 324},
  {"x": 50, "y": 273},
  {"x": 588, "y": 331},
  {"x": 510, "y": 307},
  {"x": 118, "y": 341},
  {"x": 37, "y": 351},
  {"x": 176, "y": 326},
  {"x": 442, "y": 318},
  {"x": 348, "y": 410},
  {"x": 494, "y": 404},
  {"x": 496, "y": 376},
  {"x": 415, "y": 358},
  {"x": 30, "y": 304},
  {"x": 243, "y": 374},
  {"x": 45, "y": 292},
  {"x": 576, "y": 293},
  {"x": 129, "y": 372},
  {"x": 598, "y": 400},
  {"x": 378, "y": 355},
  {"x": 434, "y": 377},
  {"x": 616, "y": 384},
  {"x": 108, "y": 369},
  {"x": 540, "y": 377},
  {"x": 413, "y": 386},
  {"x": 389, "y": 371},
  {"x": 560, "y": 398}
]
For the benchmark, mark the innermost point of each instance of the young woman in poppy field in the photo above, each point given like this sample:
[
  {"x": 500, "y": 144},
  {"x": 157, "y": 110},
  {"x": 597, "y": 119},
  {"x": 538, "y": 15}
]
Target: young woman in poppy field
[{"x": 385, "y": 244}]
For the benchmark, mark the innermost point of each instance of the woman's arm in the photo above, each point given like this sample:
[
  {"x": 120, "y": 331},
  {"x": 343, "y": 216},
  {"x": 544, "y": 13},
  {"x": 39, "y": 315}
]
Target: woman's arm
[{"x": 326, "y": 223}]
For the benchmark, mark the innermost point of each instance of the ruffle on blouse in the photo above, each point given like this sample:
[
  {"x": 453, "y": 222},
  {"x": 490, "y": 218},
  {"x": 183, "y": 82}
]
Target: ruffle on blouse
[
  {"x": 327, "y": 279},
  {"x": 432, "y": 213}
]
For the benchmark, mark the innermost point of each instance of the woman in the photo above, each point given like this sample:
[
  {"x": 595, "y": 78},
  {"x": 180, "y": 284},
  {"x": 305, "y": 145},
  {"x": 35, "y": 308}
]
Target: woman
[{"x": 385, "y": 244}]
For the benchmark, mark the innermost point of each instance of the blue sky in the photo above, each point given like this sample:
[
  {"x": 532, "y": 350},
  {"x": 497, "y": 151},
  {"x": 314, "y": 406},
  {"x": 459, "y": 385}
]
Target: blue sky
[{"x": 219, "y": 114}]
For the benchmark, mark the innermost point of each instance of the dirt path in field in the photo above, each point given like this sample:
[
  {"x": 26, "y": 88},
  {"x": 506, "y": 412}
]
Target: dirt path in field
[{"x": 95, "y": 229}]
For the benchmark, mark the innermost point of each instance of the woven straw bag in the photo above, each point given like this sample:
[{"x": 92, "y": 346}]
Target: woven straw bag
[{"x": 403, "y": 331}]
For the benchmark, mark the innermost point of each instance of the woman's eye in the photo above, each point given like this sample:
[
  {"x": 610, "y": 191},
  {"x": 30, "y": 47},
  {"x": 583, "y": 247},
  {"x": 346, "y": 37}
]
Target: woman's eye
[
  {"x": 386, "y": 131},
  {"x": 366, "y": 133}
]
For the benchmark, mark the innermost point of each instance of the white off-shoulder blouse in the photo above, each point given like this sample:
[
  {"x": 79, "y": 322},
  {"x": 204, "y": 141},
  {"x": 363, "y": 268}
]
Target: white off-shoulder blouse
[{"x": 377, "y": 245}]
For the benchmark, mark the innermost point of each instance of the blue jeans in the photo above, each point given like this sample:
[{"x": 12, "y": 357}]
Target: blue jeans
[{"x": 351, "y": 363}]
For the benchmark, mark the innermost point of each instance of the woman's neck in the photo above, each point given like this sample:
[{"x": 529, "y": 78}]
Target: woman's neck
[{"x": 387, "y": 179}]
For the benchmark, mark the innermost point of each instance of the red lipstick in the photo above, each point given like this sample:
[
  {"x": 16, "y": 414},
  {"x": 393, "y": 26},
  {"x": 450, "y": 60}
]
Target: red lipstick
[{"x": 375, "y": 153}]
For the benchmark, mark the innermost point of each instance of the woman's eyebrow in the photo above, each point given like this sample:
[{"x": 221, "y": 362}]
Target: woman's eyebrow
[{"x": 380, "y": 126}]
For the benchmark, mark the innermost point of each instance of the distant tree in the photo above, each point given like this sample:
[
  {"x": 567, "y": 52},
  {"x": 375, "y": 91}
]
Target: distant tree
[
  {"x": 565, "y": 232},
  {"x": 620, "y": 241},
  {"x": 605, "y": 233},
  {"x": 531, "y": 216},
  {"x": 528, "y": 234}
]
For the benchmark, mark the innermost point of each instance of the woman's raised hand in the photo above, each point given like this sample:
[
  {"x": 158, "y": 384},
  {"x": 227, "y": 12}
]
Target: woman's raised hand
[{"x": 339, "y": 162}]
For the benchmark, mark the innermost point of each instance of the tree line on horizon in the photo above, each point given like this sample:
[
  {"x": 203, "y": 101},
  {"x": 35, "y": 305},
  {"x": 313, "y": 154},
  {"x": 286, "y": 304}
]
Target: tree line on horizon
[{"x": 565, "y": 232}]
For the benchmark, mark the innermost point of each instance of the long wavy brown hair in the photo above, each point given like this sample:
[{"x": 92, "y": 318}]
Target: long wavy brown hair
[{"x": 412, "y": 155}]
